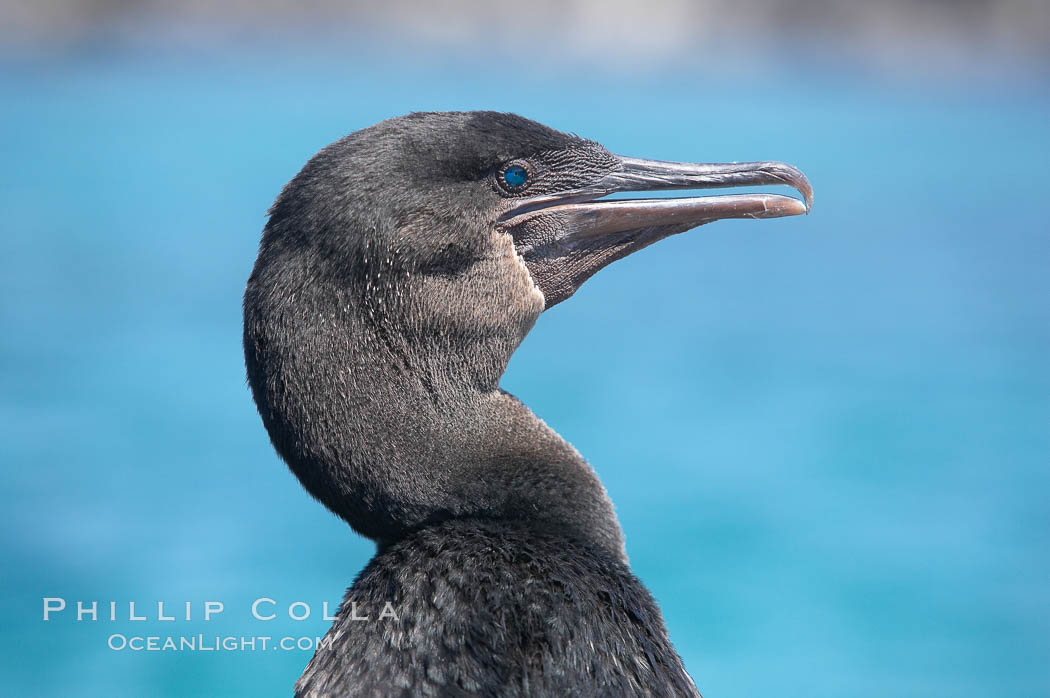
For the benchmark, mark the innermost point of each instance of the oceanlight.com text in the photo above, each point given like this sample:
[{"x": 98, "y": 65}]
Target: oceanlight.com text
[{"x": 119, "y": 642}]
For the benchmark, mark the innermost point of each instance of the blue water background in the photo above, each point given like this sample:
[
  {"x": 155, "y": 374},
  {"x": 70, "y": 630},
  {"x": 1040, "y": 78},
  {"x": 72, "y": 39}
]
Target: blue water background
[{"x": 826, "y": 437}]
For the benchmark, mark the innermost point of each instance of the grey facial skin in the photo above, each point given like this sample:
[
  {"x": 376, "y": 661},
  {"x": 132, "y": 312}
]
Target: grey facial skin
[{"x": 567, "y": 236}]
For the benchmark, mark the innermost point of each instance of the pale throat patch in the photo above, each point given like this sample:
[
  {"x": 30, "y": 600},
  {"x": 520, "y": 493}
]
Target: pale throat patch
[{"x": 535, "y": 292}]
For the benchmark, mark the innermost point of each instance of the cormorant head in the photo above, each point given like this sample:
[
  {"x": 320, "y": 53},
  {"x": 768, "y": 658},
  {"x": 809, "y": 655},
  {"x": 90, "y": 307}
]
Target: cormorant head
[
  {"x": 481, "y": 220},
  {"x": 398, "y": 272}
]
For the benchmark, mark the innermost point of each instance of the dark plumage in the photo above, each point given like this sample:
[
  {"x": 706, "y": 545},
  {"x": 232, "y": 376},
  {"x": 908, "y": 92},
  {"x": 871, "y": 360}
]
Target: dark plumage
[
  {"x": 398, "y": 272},
  {"x": 497, "y": 609}
]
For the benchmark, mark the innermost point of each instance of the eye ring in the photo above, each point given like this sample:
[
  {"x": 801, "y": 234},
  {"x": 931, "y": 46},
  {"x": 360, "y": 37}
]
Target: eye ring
[{"x": 514, "y": 177}]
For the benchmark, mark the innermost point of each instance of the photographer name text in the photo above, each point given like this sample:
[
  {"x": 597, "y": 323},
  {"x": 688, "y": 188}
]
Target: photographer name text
[{"x": 262, "y": 609}]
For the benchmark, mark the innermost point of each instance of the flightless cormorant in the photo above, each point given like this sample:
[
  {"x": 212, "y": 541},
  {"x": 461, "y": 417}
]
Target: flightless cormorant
[{"x": 397, "y": 273}]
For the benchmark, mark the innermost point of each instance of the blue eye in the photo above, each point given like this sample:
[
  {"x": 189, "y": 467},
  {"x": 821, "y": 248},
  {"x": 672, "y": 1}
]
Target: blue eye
[{"x": 515, "y": 176}]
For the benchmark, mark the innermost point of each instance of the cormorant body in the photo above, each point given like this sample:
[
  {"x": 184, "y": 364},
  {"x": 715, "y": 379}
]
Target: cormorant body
[
  {"x": 497, "y": 608},
  {"x": 398, "y": 272}
]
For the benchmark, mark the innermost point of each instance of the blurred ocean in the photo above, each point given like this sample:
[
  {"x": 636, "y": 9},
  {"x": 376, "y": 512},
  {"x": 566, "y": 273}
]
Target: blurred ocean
[{"x": 827, "y": 437}]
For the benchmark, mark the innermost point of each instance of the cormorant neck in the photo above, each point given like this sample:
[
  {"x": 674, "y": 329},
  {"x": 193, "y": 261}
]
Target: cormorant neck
[{"x": 387, "y": 406}]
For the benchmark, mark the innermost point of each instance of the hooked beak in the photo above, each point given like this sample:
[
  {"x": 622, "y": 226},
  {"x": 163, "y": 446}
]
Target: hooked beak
[{"x": 566, "y": 237}]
